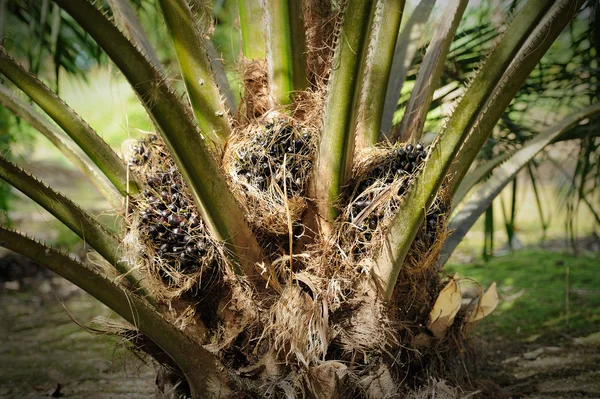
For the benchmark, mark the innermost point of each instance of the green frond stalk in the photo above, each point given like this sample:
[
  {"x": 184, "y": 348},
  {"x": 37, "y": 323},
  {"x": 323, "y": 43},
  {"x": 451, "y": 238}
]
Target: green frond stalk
[
  {"x": 560, "y": 14},
  {"x": 204, "y": 177},
  {"x": 429, "y": 179},
  {"x": 3, "y": 14},
  {"x": 337, "y": 146},
  {"x": 383, "y": 43},
  {"x": 286, "y": 44},
  {"x": 127, "y": 19},
  {"x": 202, "y": 370},
  {"x": 76, "y": 219},
  {"x": 82, "y": 134},
  {"x": 254, "y": 41},
  {"x": 466, "y": 218},
  {"x": 428, "y": 79},
  {"x": 60, "y": 141},
  {"x": 406, "y": 48},
  {"x": 190, "y": 48}
]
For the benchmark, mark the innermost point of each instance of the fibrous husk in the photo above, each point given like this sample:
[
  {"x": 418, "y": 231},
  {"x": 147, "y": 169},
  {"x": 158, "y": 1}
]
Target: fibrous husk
[
  {"x": 327, "y": 379},
  {"x": 256, "y": 100},
  {"x": 298, "y": 326}
]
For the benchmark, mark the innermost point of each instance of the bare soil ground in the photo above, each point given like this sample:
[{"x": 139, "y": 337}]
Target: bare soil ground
[
  {"x": 43, "y": 353},
  {"x": 565, "y": 368}
]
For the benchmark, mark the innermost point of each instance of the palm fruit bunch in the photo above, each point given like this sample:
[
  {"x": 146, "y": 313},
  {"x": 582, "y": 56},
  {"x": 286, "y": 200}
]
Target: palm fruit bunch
[
  {"x": 269, "y": 164},
  {"x": 279, "y": 154},
  {"x": 168, "y": 219}
]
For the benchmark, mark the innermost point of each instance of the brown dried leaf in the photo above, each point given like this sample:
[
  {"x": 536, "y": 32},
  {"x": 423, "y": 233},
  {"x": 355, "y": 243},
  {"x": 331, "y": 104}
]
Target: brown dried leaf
[
  {"x": 445, "y": 309},
  {"x": 488, "y": 303}
]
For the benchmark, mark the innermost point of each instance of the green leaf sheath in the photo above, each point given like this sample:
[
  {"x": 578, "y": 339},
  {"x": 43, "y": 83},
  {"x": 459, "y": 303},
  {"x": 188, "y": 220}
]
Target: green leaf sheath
[
  {"x": 466, "y": 218},
  {"x": 82, "y": 134},
  {"x": 489, "y": 112},
  {"x": 201, "y": 369},
  {"x": 79, "y": 221},
  {"x": 428, "y": 79},
  {"x": 201, "y": 172},
  {"x": 382, "y": 45},
  {"x": 190, "y": 48},
  {"x": 336, "y": 149},
  {"x": 298, "y": 41},
  {"x": 421, "y": 194},
  {"x": 61, "y": 142},
  {"x": 254, "y": 41},
  {"x": 406, "y": 48},
  {"x": 286, "y": 44}
]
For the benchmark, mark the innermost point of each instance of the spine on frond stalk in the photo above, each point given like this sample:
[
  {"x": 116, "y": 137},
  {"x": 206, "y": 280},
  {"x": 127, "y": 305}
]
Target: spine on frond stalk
[
  {"x": 201, "y": 369},
  {"x": 286, "y": 48},
  {"x": 190, "y": 48},
  {"x": 86, "y": 138},
  {"x": 378, "y": 67},
  {"x": 60, "y": 141},
  {"x": 203, "y": 175},
  {"x": 79, "y": 221},
  {"x": 336, "y": 149},
  {"x": 461, "y": 124}
]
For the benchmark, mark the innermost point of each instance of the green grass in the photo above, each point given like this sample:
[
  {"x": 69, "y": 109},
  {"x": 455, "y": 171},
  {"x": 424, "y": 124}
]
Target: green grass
[{"x": 532, "y": 286}]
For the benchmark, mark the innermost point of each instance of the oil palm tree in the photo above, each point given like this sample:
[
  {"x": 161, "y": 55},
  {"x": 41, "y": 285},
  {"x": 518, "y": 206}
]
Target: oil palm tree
[{"x": 288, "y": 248}]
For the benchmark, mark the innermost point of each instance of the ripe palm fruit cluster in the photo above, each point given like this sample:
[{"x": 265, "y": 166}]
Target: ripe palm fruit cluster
[{"x": 168, "y": 219}]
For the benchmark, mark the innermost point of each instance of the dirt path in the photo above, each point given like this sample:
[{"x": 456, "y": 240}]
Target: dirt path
[
  {"x": 566, "y": 368},
  {"x": 43, "y": 353}
]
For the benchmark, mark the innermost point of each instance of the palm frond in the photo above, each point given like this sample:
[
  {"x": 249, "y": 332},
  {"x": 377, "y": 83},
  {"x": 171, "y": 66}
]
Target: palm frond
[
  {"x": 379, "y": 65},
  {"x": 190, "y": 48},
  {"x": 336, "y": 149},
  {"x": 413, "y": 122},
  {"x": 457, "y": 133},
  {"x": 86, "y": 138},
  {"x": 406, "y": 48},
  {"x": 61, "y": 142},
  {"x": 464, "y": 220}
]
